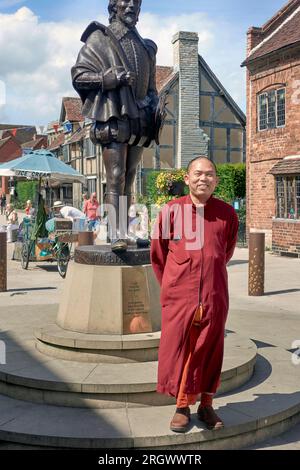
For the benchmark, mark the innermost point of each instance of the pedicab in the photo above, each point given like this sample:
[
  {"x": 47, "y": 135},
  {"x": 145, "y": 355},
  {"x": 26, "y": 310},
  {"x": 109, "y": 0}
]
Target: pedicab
[
  {"x": 49, "y": 241},
  {"x": 43, "y": 165}
]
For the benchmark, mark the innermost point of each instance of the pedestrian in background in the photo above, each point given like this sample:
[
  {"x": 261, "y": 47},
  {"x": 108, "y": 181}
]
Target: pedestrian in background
[
  {"x": 84, "y": 201},
  {"x": 91, "y": 211},
  {"x": 3, "y": 203}
]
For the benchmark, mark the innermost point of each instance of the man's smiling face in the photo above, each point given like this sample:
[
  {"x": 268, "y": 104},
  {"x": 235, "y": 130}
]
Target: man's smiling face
[{"x": 202, "y": 179}]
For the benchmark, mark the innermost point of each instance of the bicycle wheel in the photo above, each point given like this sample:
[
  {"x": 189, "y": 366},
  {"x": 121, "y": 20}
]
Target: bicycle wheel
[
  {"x": 25, "y": 254},
  {"x": 63, "y": 258}
]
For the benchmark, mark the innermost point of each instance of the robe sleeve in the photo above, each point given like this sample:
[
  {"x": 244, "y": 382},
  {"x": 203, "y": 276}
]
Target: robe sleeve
[
  {"x": 159, "y": 250},
  {"x": 233, "y": 225}
]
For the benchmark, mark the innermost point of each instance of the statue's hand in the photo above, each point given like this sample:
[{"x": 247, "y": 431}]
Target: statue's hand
[
  {"x": 112, "y": 79},
  {"x": 128, "y": 78},
  {"x": 115, "y": 78}
]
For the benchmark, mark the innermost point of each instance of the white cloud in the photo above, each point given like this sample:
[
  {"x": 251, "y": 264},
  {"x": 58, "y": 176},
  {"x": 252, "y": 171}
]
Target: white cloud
[
  {"x": 36, "y": 58},
  {"x": 162, "y": 30},
  {"x": 2, "y": 93}
]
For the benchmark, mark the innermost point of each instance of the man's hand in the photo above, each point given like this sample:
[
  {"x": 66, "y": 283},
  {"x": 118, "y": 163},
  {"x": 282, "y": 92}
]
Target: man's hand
[{"x": 113, "y": 79}]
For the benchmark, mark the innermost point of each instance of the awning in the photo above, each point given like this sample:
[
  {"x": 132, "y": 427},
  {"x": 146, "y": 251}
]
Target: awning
[{"x": 287, "y": 166}]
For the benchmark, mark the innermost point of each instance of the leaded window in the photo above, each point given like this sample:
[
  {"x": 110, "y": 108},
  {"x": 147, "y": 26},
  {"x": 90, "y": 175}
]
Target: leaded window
[
  {"x": 298, "y": 195},
  {"x": 271, "y": 109},
  {"x": 280, "y": 196},
  {"x": 263, "y": 111},
  {"x": 281, "y": 107},
  {"x": 288, "y": 197}
]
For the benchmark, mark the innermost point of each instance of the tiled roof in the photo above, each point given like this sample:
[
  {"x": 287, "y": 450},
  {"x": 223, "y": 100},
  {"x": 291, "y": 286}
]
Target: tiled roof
[
  {"x": 73, "y": 108},
  {"x": 22, "y": 134},
  {"x": 281, "y": 15},
  {"x": 287, "y": 166},
  {"x": 11, "y": 151},
  {"x": 36, "y": 143},
  {"x": 286, "y": 34},
  {"x": 12, "y": 126},
  {"x": 3, "y": 141},
  {"x": 163, "y": 75},
  {"x": 57, "y": 142}
]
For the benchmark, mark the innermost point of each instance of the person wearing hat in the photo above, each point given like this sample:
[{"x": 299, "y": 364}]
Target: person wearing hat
[
  {"x": 59, "y": 210},
  {"x": 66, "y": 212}
]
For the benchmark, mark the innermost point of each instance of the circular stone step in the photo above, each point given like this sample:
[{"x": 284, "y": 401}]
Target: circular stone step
[
  {"x": 54, "y": 341},
  {"x": 267, "y": 406},
  {"x": 35, "y": 377}
]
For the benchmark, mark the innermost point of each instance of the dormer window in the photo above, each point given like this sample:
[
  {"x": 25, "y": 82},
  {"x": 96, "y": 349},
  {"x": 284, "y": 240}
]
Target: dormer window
[{"x": 271, "y": 109}]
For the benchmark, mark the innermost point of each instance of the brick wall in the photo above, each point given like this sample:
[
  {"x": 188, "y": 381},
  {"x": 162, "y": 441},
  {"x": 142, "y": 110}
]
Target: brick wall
[
  {"x": 286, "y": 236},
  {"x": 265, "y": 148}
]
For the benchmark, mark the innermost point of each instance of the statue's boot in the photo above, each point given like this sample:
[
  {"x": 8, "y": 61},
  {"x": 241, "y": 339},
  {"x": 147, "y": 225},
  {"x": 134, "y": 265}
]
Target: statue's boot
[
  {"x": 116, "y": 228},
  {"x": 131, "y": 238}
]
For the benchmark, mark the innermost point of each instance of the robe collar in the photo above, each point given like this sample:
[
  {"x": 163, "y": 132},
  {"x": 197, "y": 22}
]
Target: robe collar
[{"x": 208, "y": 202}]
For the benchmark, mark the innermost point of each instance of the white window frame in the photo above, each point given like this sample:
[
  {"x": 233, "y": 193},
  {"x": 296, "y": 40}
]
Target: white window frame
[
  {"x": 266, "y": 93},
  {"x": 289, "y": 197}
]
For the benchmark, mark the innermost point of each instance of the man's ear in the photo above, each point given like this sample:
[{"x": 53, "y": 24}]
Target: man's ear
[
  {"x": 218, "y": 180},
  {"x": 186, "y": 179}
]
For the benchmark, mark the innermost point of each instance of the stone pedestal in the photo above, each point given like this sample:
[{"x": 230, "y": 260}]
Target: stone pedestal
[
  {"x": 110, "y": 293},
  {"x": 85, "y": 238}
]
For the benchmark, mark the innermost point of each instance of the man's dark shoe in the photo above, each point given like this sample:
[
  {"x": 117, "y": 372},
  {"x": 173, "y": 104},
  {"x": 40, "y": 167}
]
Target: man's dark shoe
[
  {"x": 181, "y": 420},
  {"x": 208, "y": 415}
]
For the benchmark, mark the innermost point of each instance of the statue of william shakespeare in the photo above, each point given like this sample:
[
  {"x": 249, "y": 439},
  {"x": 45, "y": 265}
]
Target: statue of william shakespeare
[{"x": 115, "y": 78}]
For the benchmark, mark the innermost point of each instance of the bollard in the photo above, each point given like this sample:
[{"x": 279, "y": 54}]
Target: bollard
[
  {"x": 85, "y": 238},
  {"x": 256, "y": 264},
  {"x": 3, "y": 262}
]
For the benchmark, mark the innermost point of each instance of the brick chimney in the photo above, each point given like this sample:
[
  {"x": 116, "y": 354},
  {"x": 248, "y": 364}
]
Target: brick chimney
[
  {"x": 191, "y": 139},
  {"x": 254, "y": 37}
]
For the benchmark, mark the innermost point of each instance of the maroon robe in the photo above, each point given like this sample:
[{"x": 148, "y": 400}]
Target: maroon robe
[{"x": 188, "y": 277}]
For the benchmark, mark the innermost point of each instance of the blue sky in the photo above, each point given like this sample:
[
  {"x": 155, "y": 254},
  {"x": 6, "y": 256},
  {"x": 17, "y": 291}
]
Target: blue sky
[
  {"x": 241, "y": 14},
  {"x": 39, "y": 41}
]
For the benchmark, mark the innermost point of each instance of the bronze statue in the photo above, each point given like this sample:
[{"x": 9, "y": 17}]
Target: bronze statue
[{"x": 115, "y": 78}]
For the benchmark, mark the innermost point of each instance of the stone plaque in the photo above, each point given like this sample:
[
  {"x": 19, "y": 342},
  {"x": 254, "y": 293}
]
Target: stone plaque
[{"x": 136, "y": 302}]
